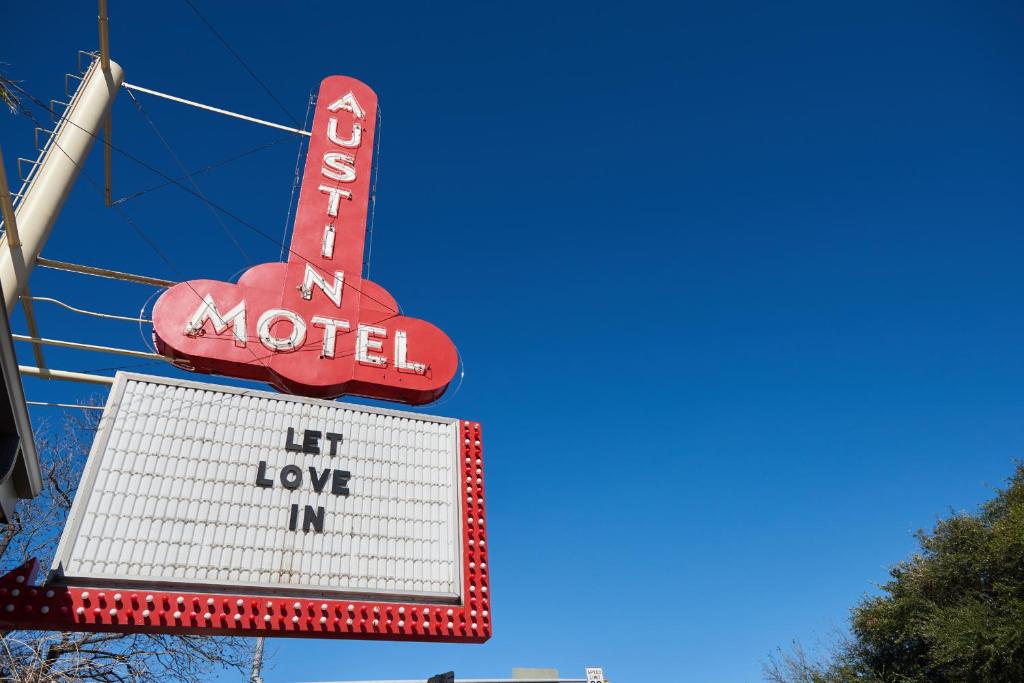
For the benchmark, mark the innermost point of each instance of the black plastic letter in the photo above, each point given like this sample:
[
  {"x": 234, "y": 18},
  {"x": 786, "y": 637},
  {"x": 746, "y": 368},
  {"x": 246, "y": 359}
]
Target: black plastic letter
[
  {"x": 313, "y": 518},
  {"x": 291, "y": 476},
  {"x": 318, "y": 482},
  {"x": 261, "y": 476},
  {"x": 339, "y": 483},
  {"x": 310, "y": 442},
  {"x": 335, "y": 439},
  {"x": 289, "y": 442}
]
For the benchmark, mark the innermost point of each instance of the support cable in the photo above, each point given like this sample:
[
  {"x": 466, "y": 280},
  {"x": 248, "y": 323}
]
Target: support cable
[
  {"x": 295, "y": 181},
  {"x": 240, "y": 60},
  {"x": 373, "y": 195},
  {"x": 103, "y": 272},
  {"x": 39, "y": 103},
  {"x": 63, "y": 405},
  {"x": 204, "y": 169},
  {"x": 46, "y": 373},
  {"x": 181, "y": 100},
  {"x": 95, "y": 314},
  {"x": 156, "y": 249},
  {"x": 191, "y": 180},
  {"x": 80, "y": 346}
]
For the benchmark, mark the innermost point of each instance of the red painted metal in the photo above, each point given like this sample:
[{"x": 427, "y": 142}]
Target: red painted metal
[
  {"x": 304, "y": 370},
  {"x": 24, "y": 606}
]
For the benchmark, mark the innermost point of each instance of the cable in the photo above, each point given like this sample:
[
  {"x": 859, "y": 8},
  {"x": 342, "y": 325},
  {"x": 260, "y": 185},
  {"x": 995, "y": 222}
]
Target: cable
[
  {"x": 51, "y": 404},
  {"x": 147, "y": 341},
  {"x": 373, "y": 195},
  {"x": 450, "y": 395},
  {"x": 131, "y": 366},
  {"x": 145, "y": 237},
  {"x": 156, "y": 249},
  {"x": 241, "y": 61},
  {"x": 191, "y": 180},
  {"x": 138, "y": 230},
  {"x": 298, "y": 175},
  {"x": 95, "y": 314},
  {"x": 37, "y": 102},
  {"x": 204, "y": 169}
]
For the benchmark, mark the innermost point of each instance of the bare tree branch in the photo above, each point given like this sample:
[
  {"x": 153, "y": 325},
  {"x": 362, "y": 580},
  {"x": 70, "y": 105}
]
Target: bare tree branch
[{"x": 49, "y": 657}]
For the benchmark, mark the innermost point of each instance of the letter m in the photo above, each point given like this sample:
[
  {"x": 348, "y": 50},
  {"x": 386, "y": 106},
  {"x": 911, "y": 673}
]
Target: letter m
[{"x": 208, "y": 311}]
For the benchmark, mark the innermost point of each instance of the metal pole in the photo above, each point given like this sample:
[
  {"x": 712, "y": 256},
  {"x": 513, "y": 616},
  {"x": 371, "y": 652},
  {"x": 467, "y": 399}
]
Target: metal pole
[
  {"x": 103, "y": 272},
  {"x": 44, "y": 197},
  {"x": 89, "y": 347},
  {"x": 7, "y": 207},
  {"x": 216, "y": 110},
  {"x": 66, "y": 375},
  {"x": 257, "y": 663},
  {"x": 107, "y": 122}
]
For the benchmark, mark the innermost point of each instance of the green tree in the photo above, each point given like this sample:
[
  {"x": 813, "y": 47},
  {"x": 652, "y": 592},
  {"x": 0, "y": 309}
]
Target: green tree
[{"x": 954, "y": 611}]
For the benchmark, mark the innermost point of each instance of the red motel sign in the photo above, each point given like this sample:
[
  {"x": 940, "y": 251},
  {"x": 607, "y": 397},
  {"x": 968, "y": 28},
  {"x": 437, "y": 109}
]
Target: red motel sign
[{"x": 313, "y": 326}]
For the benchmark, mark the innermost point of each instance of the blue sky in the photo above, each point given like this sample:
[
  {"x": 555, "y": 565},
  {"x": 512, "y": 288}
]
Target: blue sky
[{"x": 737, "y": 285}]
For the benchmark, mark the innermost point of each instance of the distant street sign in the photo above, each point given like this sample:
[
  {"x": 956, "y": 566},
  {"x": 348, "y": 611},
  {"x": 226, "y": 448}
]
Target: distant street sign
[
  {"x": 251, "y": 511},
  {"x": 595, "y": 674}
]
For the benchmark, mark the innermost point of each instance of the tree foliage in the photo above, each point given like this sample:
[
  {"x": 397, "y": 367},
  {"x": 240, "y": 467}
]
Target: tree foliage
[
  {"x": 954, "y": 611},
  {"x": 51, "y": 657}
]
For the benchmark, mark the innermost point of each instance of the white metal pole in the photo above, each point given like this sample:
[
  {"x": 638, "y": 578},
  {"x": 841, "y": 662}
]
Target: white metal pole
[
  {"x": 257, "y": 663},
  {"x": 216, "y": 110},
  {"x": 66, "y": 375},
  {"x": 7, "y": 207},
  {"x": 107, "y": 121},
  {"x": 44, "y": 197}
]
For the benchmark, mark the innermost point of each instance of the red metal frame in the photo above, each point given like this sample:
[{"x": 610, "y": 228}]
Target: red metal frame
[{"x": 25, "y": 606}]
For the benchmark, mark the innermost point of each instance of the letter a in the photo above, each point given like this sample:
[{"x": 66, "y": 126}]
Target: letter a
[{"x": 347, "y": 102}]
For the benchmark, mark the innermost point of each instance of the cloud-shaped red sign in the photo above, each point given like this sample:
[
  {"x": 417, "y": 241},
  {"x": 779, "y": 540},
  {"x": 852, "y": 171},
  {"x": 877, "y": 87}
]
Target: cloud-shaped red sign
[{"x": 313, "y": 326}]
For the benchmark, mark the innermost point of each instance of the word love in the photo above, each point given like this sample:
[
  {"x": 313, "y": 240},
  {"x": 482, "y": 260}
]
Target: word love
[
  {"x": 314, "y": 326},
  {"x": 292, "y": 476}
]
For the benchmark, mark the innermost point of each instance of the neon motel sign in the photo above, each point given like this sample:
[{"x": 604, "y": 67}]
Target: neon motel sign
[
  {"x": 313, "y": 326},
  {"x": 222, "y": 511}
]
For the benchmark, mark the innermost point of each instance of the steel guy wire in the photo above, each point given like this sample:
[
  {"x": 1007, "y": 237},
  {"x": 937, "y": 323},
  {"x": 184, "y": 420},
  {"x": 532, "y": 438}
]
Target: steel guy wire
[
  {"x": 49, "y": 404},
  {"x": 145, "y": 237},
  {"x": 95, "y": 314},
  {"x": 191, "y": 180},
  {"x": 241, "y": 61},
  {"x": 119, "y": 367},
  {"x": 170, "y": 263},
  {"x": 298, "y": 175},
  {"x": 204, "y": 169},
  {"x": 449, "y": 394},
  {"x": 39, "y": 103},
  {"x": 138, "y": 230},
  {"x": 373, "y": 191}
]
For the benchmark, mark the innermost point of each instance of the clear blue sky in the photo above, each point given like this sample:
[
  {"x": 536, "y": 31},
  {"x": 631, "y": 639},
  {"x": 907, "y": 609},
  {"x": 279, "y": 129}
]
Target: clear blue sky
[{"x": 738, "y": 285}]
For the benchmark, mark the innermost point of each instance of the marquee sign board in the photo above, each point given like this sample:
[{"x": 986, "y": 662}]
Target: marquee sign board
[
  {"x": 211, "y": 509},
  {"x": 313, "y": 326}
]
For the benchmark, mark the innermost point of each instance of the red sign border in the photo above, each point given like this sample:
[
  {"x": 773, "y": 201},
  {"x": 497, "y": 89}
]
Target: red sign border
[{"x": 61, "y": 607}]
